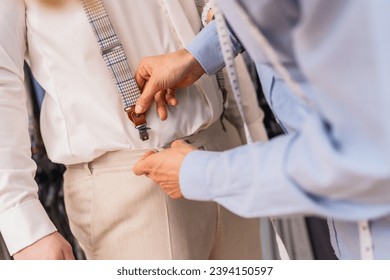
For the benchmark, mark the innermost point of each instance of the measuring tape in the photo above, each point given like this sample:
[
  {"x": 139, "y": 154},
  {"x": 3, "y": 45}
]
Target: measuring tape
[
  {"x": 228, "y": 56},
  {"x": 365, "y": 236}
]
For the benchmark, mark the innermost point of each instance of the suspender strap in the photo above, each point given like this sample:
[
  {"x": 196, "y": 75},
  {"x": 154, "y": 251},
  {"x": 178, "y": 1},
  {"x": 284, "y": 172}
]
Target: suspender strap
[{"x": 116, "y": 61}]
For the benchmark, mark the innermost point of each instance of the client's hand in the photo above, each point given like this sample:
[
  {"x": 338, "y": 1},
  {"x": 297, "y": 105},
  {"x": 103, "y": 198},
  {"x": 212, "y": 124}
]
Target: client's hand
[
  {"x": 50, "y": 247},
  {"x": 164, "y": 167}
]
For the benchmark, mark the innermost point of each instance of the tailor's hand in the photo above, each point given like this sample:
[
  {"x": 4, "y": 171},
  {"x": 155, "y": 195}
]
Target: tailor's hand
[
  {"x": 159, "y": 76},
  {"x": 163, "y": 167},
  {"x": 51, "y": 247}
]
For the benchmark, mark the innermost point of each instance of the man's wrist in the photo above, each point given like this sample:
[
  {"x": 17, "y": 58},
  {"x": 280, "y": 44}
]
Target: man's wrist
[
  {"x": 24, "y": 225},
  {"x": 192, "y": 63}
]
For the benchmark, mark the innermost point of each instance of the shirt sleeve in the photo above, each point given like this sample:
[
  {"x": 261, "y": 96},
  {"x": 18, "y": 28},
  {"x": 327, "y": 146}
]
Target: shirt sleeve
[
  {"x": 206, "y": 49},
  {"x": 23, "y": 220},
  {"x": 337, "y": 163},
  {"x": 254, "y": 181}
]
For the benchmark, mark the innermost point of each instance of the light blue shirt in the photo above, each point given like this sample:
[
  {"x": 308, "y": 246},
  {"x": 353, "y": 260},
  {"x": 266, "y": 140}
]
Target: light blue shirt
[{"x": 335, "y": 160}]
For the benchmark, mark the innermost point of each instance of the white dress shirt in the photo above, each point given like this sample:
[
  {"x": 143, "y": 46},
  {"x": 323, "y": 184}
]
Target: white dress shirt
[{"x": 82, "y": 115}]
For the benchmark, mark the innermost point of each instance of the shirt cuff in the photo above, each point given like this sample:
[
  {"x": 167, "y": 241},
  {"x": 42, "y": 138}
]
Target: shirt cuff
[
  {"x": 193, "y": 179},
  {"x": 24, "y": 225},
  {"x": 206, "y": 49}
]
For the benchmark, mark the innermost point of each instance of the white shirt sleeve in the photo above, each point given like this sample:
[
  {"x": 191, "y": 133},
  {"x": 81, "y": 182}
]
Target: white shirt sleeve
[{"x": 23, "y": 220}]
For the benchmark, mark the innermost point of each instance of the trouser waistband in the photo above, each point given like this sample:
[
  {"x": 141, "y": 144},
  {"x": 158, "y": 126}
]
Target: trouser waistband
[
  {"x": 201, "y": 138},
  {"x": 130, "y": 157}
]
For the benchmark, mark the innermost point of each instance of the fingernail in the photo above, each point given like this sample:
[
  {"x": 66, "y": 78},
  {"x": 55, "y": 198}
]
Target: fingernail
[{"x": 139, "y": 109}]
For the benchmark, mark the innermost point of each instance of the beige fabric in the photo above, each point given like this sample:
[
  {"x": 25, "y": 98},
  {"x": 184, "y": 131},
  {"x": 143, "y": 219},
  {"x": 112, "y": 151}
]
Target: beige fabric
[
  {"x": 117, "y": 215},
  {"x": 253, "y": 114}
]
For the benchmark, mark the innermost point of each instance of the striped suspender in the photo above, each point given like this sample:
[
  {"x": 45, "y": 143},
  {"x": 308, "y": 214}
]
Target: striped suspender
[{"x": 116, "y": 61}]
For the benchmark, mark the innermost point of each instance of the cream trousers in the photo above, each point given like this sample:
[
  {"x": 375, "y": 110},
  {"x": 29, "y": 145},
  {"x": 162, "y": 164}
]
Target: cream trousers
[{"x": 117, "y": 215}]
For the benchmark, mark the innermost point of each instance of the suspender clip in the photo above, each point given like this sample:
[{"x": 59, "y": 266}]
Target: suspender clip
[
  {"x": 139, "y": 121},
  {"x": 143, "y": 132}
]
